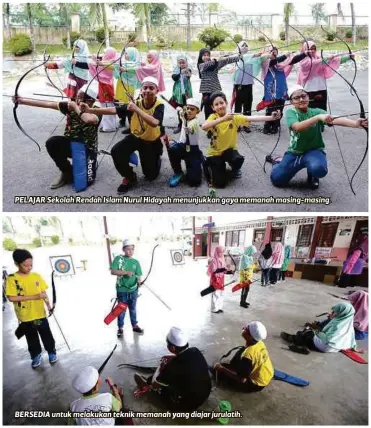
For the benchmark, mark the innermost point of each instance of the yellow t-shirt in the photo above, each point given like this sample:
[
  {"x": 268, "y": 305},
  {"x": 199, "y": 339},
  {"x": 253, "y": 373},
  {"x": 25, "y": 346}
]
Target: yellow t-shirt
[
  {"x": 140, "y": 128},
  {"x": 27, "y": 285},
  {"x": 225, "y": 134},
  {"x": 262, "y": 367}
]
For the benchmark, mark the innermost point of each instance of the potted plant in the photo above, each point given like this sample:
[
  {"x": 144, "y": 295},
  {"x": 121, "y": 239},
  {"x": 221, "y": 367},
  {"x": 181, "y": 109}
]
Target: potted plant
[{"x": 348, "y": 35}]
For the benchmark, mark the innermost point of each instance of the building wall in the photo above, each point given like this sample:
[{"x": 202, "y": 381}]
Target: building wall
[{"x": 249, "y": 236}]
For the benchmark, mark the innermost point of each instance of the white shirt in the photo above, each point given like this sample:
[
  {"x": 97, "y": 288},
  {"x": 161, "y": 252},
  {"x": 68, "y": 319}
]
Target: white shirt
[
  {"x": 96, "y": 403},
  {"x": 193, "y": 135},
  {"x": 315, "y": 83}
]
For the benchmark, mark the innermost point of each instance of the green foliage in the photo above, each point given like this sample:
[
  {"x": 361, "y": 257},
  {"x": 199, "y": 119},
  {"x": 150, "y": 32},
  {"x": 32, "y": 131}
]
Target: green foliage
[
  {"x": 349, "y": 34},
  {"x": 237, "y": 38},
  {"x": 74, "y": 36},
  {"x": 132, "y": 37},
  {"x": 55, "y": 239},
  {"x": 261, "y": 39},
  {"x": 113, "y": 241},
  {"x": 330, "y": 36},
  {"x": 9, "y": 244},
  {"x": 20, "y": 45},
  {"x": 101, "y": 35},
  {"x": 70, "y": 241},
  {"x": 213, "y": 37},
  {"x": 282, "y": 35},
  {"x": 37, "y": 242}
]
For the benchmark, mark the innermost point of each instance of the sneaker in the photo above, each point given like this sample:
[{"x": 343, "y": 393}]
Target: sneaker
[
  {"x": 120, "y": 332},
  {"x": 244, "y": 305},
  {"x": 36, "y": 361},
  {"x": 246, "y": 129},
  {"x": 220, "y": 311},
  {"x": 137, "y": 329},
  {"x": 175, "y": 179},
  {"x": 126, "y": 184},
  {"x": 299, "y": 349},
  {"x": 140, "y": 380},
  {"x": 288, "y": 337},
  {"x": 237, "y": 173},
  {"x": 53, "y": 358},
  {"x": 313, "y": 182},
  {"x": 62, "y": 179}
]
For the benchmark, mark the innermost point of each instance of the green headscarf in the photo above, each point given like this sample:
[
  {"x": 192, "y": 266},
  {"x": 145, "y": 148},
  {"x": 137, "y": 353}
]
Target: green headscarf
[
  {"x": 339, "y": 332},
  {"x": 286, "y": 259},
  {"x": 247, "y": 259}
]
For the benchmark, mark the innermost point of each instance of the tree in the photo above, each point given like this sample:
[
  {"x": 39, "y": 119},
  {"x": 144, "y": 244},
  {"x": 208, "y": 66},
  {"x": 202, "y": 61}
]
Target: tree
[
  {"x": 6, "y": 18},
  {"x": 288, "y": 11},
  {"x": 213, "y": 37},
  {"x": 64, "y": 12},
  {"x": 55, "y": 222},
  {"x": 212, "y": 8},
  {"x": 188, "y": 26},
  {"x": 354, "y": 28},
  {"x": 30, "y": 25},
  {"x": 8, "y": 225},
  {"x": 340, "y": 11},
  {"x": 318, "y": 12}
]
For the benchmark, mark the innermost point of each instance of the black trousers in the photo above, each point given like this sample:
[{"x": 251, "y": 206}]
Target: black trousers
[
  {"x": 277, "y": 105},
  {"x": 247, "y": 387},
  {"x": 59, "y": 149},
  {"x": 218, "y": 169},
  {"x": 244, "y": 294},
  {"x": 318, "y": 99},
  {"x": 305, "y": 338},
  {"x": 149, "y": 153},
  {"x": 193, "y": 161},
  {"x": 282, "y": 274},
  {"x": 244, "y": 99},
  {"x": 206, "y": 105},
  {"x": 274, "y": 275},
  {"x": 34, "y": 329}
]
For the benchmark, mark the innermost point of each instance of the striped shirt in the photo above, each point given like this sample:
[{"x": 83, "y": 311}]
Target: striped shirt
[{"x": 209, "y": 73}]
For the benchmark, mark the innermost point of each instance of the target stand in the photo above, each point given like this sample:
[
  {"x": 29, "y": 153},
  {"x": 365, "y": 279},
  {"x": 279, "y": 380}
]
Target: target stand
[
  {"x": 62, "y": 265},
  {"x": 177, "y": 257}
]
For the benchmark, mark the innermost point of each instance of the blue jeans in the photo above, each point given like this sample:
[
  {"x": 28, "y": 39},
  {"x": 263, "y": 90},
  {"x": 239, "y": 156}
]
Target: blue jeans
[
  {"x": 265, "y": 276},
  {"x": 131, "y": 300},
  {"x": 315, "y": 161}
]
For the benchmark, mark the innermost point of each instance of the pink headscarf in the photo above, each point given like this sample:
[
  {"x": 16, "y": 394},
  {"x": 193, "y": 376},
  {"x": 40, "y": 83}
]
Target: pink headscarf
[
  {"x": 105, "y": 76},
  {"x": 152, "y": 70},
  {"x": 359, "y": 300},
  {"x": 282, "y": 66},
  {"x": 217, "y": 262},
  {"x": 278, "y": 254},
  {"x": 313, "y": 66}
]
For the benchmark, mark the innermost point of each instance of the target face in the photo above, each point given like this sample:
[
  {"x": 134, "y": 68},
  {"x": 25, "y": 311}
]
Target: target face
[
  {"x": 62, "y": 265},
  {"x": 177, "y": 257}
]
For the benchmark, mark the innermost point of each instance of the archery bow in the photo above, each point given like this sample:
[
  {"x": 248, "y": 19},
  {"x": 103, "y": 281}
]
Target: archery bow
[
  {"x": 101, "y": 368},
  {"x": 47, "y": 74},
  {"x": 51, "y": 312},
  {"x": 311, "y": 59},
  {"x": 235, "y": 270},
  {"x": 16, "y": 102},
  {"x": 362, "y": 115}
]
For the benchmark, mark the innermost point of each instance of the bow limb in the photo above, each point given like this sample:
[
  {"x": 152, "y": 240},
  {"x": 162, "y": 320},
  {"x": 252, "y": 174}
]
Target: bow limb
[
  {"x": 311, "y": 59},
  {"x": 151, "y": 265},
  {"x": 48, "y": 76},
  {"x": 101, "y": 368},
  {"x": 16, "y": 102}
]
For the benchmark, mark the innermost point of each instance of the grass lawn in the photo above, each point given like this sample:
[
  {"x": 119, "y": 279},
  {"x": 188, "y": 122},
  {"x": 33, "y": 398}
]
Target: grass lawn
[{"x": 195, "y": 46}]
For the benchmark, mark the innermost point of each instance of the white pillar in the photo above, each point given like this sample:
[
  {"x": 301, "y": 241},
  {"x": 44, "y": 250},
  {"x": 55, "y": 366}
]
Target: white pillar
[{"x": 75, "y": 22}]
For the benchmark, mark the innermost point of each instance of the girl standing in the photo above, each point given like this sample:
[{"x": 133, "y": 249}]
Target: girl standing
[
  {"x": 77, "y": 68},
  {"x": 265, "y": 262},
  {"x": 182, "y": 89},
  {"x": 277, "y": 260},
  {"x": 208, "y": 70},
  {"x": 286, "y": 261},
  {"x": 246, "y": 269},
  {"x": 106, "y": 94},
  {"x": 27, "y": 290},
  {"x": 216, "y": 270},
  {"x": 153, "y": 68}
]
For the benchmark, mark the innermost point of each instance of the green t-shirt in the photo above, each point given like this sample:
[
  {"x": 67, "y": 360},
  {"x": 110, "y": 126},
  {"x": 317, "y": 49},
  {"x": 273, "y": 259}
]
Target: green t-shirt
[
  {"x": 302, "y": 142},
  {"x": 126, "y": 283}
]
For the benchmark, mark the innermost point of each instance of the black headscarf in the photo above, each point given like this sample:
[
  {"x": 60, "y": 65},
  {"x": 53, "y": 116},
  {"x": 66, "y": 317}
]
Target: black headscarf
[
  {"x": 267, "y": 252},
  {"x": 19, "y": 255},
  {"x": 199, "y": 61}
]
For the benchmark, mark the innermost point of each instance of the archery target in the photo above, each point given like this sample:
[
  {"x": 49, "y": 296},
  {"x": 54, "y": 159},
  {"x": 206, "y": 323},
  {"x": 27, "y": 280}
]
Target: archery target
[
  {"x": 62, "y": 265},
  {"x": 177, "y": 257}
]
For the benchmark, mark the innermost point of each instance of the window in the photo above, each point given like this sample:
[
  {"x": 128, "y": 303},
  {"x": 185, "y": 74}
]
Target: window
[
  {"x": 235, "y": 238},
  {"x": 277, "y": 235},
  {"x": 215, "y": 238},
  {"x": 259, "y": 235},
  {"x": 304, "y": 235},
  {"x": 327, "y": 234}
]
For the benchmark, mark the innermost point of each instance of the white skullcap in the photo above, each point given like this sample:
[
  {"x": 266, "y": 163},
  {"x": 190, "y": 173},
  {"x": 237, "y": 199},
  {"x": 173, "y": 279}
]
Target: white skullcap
[
  {"x": 92, "y": 90},
  {"x": 193, "y": 102},
  {"x": 177, "y": 337},
  {"x": 257, "y": 330},
  {"x": 150, "y": 79},
  {"x": 127, "y": 242},
  {"x": 86, "y": 379},
  {"x": 293, "y": 89}
]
